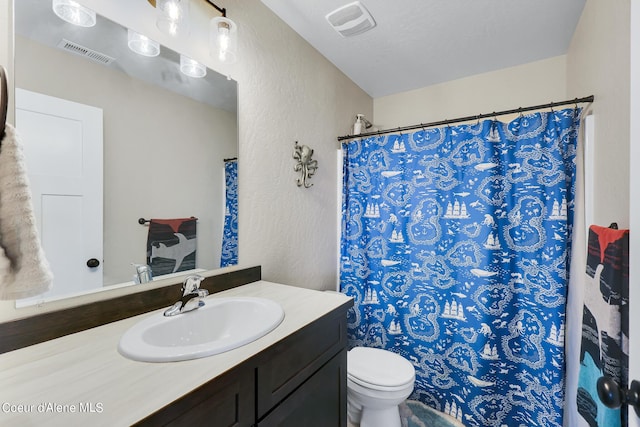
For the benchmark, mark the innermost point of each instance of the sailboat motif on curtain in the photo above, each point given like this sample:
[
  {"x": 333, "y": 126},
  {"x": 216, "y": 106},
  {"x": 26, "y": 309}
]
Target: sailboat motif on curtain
[
  {"x": 229, "y": 253},
  {"x": 455, "y": 244}
]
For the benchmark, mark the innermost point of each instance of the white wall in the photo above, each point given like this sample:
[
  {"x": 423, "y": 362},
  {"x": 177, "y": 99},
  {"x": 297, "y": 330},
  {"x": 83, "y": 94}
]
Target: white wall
[
  {"x": 535, "y": 83},
  {"x": 287, "y": 92}
]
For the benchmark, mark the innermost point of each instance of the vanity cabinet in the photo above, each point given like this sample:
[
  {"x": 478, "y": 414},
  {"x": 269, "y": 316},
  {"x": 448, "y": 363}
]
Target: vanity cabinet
[{"x": 299, "y": 381}]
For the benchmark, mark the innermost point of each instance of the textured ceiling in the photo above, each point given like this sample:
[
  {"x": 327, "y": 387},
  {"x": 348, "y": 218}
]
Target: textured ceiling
[{"x": 417, "y": 43}]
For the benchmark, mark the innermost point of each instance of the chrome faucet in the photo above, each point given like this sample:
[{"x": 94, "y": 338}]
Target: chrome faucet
[{"x": 191, "y": 296}]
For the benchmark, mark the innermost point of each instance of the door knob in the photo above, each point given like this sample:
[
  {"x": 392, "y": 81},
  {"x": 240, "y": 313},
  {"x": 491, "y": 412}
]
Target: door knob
[
  {"x": 613, "y": 396},
  {"x": 93, "y": 263}
]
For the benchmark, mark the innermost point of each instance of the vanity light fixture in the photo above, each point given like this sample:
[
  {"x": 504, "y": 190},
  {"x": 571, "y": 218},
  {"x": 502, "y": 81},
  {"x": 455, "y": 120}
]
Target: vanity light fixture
[
  {"x": 74, "y": 13},
  {"x": 223, "y": 38},
  {"x": 192, "y": 68},
  {"x": 173, "y": 17},
  {"x": 142, "y": 44}
]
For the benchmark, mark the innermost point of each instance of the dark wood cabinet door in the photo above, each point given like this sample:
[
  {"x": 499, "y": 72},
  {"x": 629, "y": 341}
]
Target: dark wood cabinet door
[
  {"x": 227, "y": 401},
  {"x": 321, "y": 401},
  {"x": 289, "y": 363}
]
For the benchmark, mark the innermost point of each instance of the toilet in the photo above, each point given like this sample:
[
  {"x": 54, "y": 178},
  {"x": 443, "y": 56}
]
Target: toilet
[{"x": 377, "y": 382}]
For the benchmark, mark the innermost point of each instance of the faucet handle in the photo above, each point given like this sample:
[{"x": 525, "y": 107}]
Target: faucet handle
[{"x": 191, "y": 284}]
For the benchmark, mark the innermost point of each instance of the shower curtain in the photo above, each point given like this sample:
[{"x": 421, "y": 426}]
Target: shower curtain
[
  {"x": 229, "y": 253},
  {"x": 455, "y": 246}
]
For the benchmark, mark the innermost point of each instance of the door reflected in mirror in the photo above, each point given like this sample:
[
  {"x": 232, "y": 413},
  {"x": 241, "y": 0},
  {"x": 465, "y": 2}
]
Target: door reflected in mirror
[{"x": 156, "y": 140}]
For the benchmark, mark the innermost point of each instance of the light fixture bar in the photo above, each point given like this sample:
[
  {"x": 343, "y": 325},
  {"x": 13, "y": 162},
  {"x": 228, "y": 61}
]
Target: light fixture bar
[{"x": 222, "y": 10}]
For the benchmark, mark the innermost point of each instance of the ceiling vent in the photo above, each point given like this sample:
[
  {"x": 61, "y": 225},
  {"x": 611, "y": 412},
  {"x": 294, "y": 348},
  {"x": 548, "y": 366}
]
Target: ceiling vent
[
  {"x": 351, "y": 19},
  {"x": 94, "y": 55}
]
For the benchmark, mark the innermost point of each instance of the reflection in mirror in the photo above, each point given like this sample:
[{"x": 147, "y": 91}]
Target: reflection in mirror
[{"x": 111, "y": 137}]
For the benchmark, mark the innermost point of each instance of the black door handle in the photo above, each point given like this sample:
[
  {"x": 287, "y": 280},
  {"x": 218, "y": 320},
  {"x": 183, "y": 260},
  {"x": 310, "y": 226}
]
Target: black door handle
[
  {"x": 613, "y": 396},
  {"x": 93, "y": 263}
]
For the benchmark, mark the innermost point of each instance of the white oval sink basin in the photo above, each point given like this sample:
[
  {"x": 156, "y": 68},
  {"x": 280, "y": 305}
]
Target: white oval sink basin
[{"x": 222, "y": 324}]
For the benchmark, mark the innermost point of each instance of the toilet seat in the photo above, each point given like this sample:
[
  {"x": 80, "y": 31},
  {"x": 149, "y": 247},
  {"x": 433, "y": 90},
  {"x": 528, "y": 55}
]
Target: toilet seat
[{"x": 378, "y": 369}]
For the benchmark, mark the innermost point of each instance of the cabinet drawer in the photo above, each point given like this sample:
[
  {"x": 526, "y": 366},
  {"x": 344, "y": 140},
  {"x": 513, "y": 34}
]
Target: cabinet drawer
[
  {"x": 296, "y": 358},
  {"x": 321, "y": 401}
]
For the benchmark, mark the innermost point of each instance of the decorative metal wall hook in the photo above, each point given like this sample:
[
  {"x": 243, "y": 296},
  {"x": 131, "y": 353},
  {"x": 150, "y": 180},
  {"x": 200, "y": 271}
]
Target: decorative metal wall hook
[{"x": 306, "y": 166}]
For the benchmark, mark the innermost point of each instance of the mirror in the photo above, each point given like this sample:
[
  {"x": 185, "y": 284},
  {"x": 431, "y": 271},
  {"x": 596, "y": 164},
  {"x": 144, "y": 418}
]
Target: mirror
[{"x": 165, "y": 139}]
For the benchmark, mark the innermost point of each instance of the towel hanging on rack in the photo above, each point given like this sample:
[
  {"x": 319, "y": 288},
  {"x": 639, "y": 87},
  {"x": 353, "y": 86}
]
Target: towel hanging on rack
[
  {"x": 24, "y": 270},
  {"x": 605, "y": 323},
  {"x": 171, "y": 245}
]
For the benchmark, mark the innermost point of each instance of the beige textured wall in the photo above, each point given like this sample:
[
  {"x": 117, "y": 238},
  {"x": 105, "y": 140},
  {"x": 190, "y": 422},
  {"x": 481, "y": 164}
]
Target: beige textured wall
[
  {"x": 535, "y": 83},
  {"x": 287, "y": 92},
  {"x": 598, "y": 64}
]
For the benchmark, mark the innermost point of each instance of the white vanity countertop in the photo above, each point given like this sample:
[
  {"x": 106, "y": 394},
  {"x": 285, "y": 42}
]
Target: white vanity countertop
[{"x": 81, "y": 379}]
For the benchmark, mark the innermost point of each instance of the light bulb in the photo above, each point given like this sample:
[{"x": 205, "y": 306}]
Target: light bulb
[
  {"x": 223, "y": 41},
  {"x": 173, "y": 16},
  {"x": 173, "y": 11}
]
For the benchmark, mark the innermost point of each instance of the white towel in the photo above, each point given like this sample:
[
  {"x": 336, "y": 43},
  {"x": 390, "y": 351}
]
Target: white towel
[{"x": 24, "y": 270}]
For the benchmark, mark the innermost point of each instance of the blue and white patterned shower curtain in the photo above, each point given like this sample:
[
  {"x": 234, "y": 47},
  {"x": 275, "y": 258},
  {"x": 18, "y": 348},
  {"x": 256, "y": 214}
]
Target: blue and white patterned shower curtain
[
  {"x": 229, "y": 254},
  {"x": 455, "y": 246}
]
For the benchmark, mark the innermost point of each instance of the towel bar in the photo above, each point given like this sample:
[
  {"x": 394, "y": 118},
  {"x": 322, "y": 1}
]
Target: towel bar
[{"x": 143, "y": 221}]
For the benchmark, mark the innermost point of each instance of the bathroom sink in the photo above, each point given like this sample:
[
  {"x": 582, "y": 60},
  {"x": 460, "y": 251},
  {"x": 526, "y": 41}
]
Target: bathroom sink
[{"x": 222, "y": 324}]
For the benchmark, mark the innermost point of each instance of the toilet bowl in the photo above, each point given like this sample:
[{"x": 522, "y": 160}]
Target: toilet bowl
[{"x": 377, "y": 382}]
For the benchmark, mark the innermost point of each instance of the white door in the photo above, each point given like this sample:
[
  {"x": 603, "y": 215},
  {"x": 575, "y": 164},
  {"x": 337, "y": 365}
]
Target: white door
[{"x": 62, "y": 143}]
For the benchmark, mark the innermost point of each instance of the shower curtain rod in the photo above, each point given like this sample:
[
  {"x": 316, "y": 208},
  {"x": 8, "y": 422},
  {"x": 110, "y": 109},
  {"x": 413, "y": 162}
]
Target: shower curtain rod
[{"x": 586, "y": 99}]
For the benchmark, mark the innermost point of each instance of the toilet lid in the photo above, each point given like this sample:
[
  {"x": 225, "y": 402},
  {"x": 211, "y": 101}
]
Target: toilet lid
[{"x": 379, "y": 367}]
